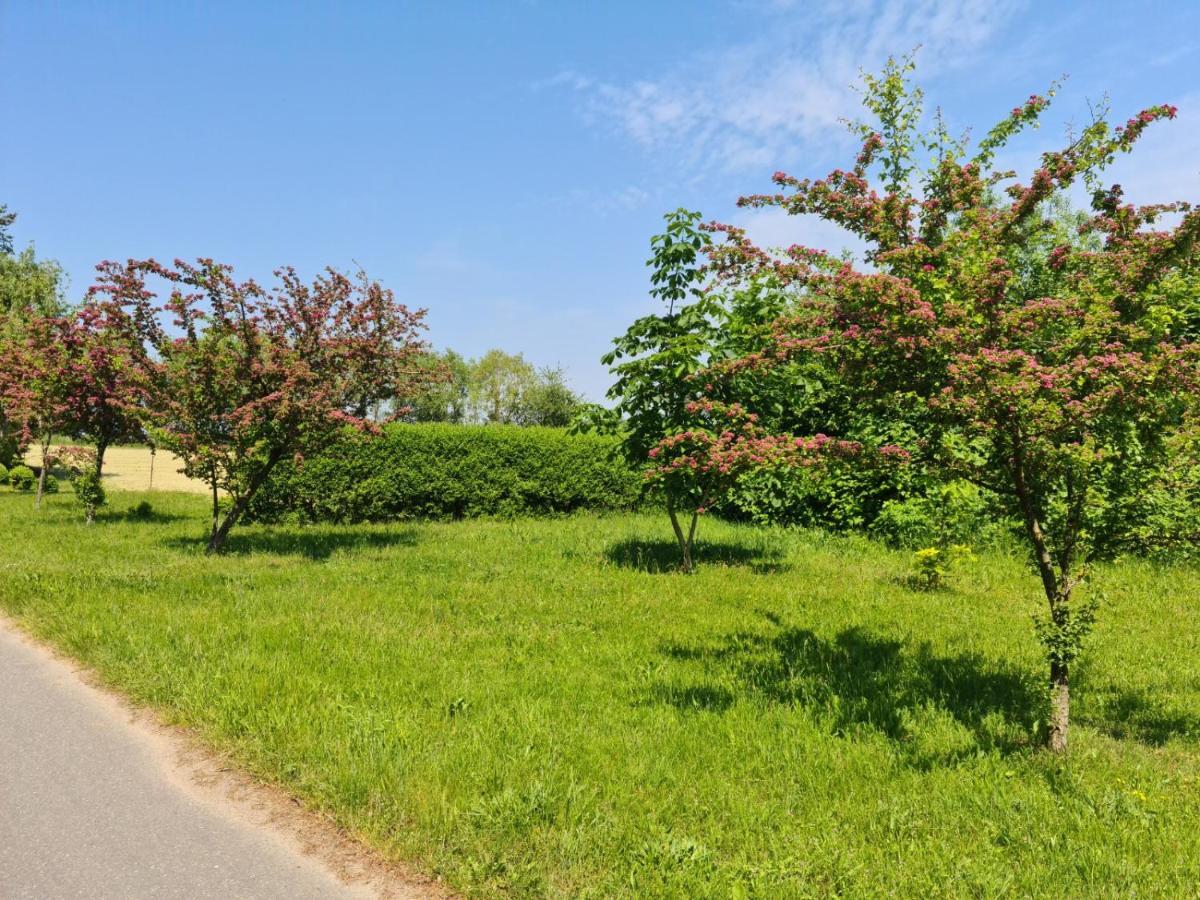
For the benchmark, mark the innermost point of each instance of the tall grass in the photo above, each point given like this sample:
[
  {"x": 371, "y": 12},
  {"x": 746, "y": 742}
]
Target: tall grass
[{"x": 542, "y": 707}]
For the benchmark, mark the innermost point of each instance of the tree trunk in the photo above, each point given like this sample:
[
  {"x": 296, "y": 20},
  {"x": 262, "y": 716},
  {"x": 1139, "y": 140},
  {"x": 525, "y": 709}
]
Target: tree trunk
[
  {"x": 150, "y": 486},
  {"x": 1060, "y": 709},
  {"x": 100, "y": 448},
  {"x": 1058, "y": 595},
  {"x": 685, "y": 541},
  {"x": 216, "y": 512},
  {"x": 41, "y": 487},
  {"x": 220, "y": 532},
  {"x": 90, "y": 515}
]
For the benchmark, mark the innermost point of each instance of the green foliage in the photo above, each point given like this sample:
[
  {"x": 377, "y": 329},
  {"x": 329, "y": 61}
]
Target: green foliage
[
  {"x": 89, "y": 492},
  {"x": 651, "y": 362},
  {"x": 548, "y": 401},
  {"x": 498, "y": 388},
  {"x": 933, "y": 565},
  {"x": 445, "y": 394},
  {"x": 448, "y": 471},
  {"x": 525, "y": 709},
  {"x": 951, "y": 513},
  {"x": 499, "y": 383},
  {"x": 21, "y": 478},
  {"x": 30, "y": 284},
  {"x": 3, "y": 473},
  {"x": 50, "y": 485},
  {"x": 1064, "y": 631}
]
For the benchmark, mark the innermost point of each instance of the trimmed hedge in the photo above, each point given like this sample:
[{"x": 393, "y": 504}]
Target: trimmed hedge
[{"x": 450, "y": 471}]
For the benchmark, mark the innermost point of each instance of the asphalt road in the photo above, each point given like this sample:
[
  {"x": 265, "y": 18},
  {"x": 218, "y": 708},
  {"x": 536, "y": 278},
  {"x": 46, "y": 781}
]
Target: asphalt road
[{"x": 88, "y": 807}]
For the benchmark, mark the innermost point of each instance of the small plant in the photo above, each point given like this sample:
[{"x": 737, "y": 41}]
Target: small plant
[
  {"x": 3, "y": 474},
  {"x": 50, "y": 486},
  {"x": 933, "y": 565},
  {"x": 21, "y": 478},
  {"x": 89, "y": 493},
  {"x": 142, "y": 511}
]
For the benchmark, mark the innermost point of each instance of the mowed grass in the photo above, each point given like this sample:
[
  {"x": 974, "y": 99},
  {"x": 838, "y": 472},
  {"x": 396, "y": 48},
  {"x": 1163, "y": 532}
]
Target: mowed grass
[{"x": 536, "y": 707}]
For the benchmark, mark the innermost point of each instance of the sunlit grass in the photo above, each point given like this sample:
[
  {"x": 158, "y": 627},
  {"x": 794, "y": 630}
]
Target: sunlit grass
[{"x": 541, "y": 706}]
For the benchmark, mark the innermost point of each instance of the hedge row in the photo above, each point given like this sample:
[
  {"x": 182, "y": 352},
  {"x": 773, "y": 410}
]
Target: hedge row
[{"x": 450, "y": 471}]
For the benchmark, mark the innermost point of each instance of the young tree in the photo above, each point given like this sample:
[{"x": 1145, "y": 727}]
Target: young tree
[
  {"x": 653, "y": 361},
  {"x": 29, "y": 288},
  {"x": 250, "y": 376},
  {"x": 38, "y": 381},
  {"x": 1049, "y": 360},
  {"x": 113, "y": 374},
  {"x": 694, "y": 468}
]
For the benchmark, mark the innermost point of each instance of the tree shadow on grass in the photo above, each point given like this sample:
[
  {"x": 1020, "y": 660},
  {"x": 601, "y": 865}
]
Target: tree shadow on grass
[
  {"x": 935, "y": 708},
  {"x": 316, "y": 543},
  {"x": 1126, "y": 714},
  {"x": 151, "y": 517},
  {"x": 663, "y": 556}
]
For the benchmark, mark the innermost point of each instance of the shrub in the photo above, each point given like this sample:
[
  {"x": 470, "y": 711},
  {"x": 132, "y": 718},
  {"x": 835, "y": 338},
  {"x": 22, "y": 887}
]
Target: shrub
[
  {"x": 21, "y": 478},
  {"x": 142, "y": 511},
  {"x": 89, "y": 492},
  {"x": 51, "y": 485},
  {"x": 3, "y": 473},
  {"x": 951, "y": 513},
  {"x": 932, "y": 565},
  {"x": 450, "y": 471}
]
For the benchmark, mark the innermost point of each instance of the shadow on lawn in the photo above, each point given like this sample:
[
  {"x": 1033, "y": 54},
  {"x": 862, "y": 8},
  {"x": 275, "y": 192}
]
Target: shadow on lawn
[
  {"x": 316, "y": 543},
  {"x": 1132, "y": 715},
  {"x": 663, "y": 555},
  {"x": 858, "y": 682}
]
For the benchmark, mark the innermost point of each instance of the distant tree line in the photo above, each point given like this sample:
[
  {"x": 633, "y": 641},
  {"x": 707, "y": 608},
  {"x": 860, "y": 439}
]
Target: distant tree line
[{"x": 498, "y": 388}]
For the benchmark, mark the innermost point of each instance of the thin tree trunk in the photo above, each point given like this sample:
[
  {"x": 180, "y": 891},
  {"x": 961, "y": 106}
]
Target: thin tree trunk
[
  {"x": 1060, "y": 708},
  {"x": 1058, "y": 596},
  {"x": 150, "y": 486},
  {"x": 685, "y": 542},
  {"x": 90, "y": 515},
  {"x": 41, "y": 488},
  {"x": 100, "y": 448},
  {"x": 216, "y": 511},
  {"x": 221, "y": 531}
]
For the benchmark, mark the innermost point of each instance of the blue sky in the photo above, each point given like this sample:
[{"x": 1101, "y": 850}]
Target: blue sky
[{"x": 505, "y": 163}]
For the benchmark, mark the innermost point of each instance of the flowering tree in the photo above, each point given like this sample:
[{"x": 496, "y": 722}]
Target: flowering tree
[
  {"x": 37, "y": 383},
  {"x": 248, "y": 377},
  {"x": 695, "y": 467},
  {"x": 1047, "y": 360},
  {"x": 112, "y": 375}
]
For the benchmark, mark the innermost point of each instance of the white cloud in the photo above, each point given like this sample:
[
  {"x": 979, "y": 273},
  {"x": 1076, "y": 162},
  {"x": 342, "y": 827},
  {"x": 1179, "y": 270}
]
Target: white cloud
[{"x": 753, "y": 105}]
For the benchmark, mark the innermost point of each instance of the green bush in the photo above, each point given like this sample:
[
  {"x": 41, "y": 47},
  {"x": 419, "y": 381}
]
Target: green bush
[
  {"x": 450, "y": 471},
  {"x": 89, "y": 492},
  {"x": 957, "y": 512},
  {"x": 51, "y": 485},
  {"x": 3, "y": 473},
  {"x": 21, "y": 478}
]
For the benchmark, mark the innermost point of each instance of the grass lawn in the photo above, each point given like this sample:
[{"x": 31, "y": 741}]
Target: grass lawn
[{"x": 532, "y": 706}]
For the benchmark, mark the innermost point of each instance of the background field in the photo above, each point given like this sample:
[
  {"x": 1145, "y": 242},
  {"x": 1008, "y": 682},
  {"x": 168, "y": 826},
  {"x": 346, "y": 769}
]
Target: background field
[
  {"x": 129, "y": 469},
  {"x": 536, "y": 706}
]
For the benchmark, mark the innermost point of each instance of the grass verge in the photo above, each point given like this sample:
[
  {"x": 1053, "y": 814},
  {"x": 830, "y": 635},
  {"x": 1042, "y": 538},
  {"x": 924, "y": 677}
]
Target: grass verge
[{"x": 538, "y": 707}]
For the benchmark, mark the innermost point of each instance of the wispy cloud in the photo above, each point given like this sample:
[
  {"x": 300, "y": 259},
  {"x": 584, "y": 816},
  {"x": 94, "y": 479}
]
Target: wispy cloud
[{"x": 755, "y": 104}]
